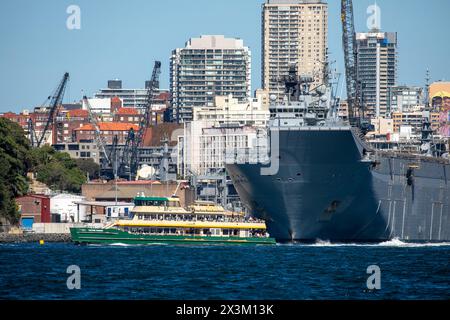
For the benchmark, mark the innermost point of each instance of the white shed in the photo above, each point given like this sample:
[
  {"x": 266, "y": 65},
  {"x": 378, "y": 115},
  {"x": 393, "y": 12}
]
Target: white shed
[{"x": 65, "y": 206}]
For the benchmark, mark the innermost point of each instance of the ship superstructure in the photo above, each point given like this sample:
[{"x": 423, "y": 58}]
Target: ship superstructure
[{"x": 329, "y": 183}]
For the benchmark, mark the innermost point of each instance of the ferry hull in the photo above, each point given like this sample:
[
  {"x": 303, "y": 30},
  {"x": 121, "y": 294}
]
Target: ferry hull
[
  {"x": 325, "y": 190},
  {"x": 112, "y": 236}
]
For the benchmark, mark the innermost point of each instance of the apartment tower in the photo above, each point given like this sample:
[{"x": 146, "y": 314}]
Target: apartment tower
[
  {"x": 293, "y": 32},
  {"x": 208, "y": 66},
  {"x": 377, "y": 70}
]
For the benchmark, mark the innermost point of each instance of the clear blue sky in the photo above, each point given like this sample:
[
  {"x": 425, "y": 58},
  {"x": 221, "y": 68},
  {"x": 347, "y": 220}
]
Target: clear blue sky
[{"x": 121, "y": 39}]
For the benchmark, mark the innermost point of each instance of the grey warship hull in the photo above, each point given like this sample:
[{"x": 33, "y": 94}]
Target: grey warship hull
[{"x": 326, "y": 188}]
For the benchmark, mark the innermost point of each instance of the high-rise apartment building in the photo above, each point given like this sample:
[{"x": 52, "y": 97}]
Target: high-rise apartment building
[
  {"x": 377, "y": 70},
  {"x": 404, "y": 98},
  {"x": 208, "y": 66},
  {"x": 131, "y": 98},
  {"x": 293, "y": 32}
]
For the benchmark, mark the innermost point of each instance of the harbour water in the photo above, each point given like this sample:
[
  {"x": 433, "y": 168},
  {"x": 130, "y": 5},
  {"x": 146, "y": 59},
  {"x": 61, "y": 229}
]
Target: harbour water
[{"x": 291, "y": 272}]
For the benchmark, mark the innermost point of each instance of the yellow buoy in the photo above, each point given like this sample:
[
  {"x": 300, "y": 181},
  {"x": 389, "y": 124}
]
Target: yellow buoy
[{"x": 41, "y": 242}]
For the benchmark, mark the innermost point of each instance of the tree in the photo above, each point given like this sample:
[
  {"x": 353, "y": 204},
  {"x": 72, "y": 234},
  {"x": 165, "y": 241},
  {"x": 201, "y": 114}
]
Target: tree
[
  {"x": 17, "y": 158},
  {"x": 14, "y": 165},
  {"x": 57, "y": 169},
  {"x": 89, "y": 166}
]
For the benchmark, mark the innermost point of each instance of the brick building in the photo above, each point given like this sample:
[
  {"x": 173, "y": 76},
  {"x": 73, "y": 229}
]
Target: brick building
[
  {"x": 33, "y": 208},
  {"x": 108, "y": 130},
  {"x": 66, "y": 123},
  {"x": 129, "y": 115}
]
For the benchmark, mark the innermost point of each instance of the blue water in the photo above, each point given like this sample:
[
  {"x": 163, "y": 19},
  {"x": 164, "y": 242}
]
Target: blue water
[{"x": 321, "y": 271}]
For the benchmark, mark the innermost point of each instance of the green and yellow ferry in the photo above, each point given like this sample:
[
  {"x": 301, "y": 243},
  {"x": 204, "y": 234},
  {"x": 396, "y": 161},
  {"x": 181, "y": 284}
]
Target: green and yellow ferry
[{"x": 161, "y": 220}]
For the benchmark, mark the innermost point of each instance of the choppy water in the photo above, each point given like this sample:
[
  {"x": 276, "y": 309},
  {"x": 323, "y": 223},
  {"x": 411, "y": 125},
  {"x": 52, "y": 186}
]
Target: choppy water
[{"x": 318, "y": 271}]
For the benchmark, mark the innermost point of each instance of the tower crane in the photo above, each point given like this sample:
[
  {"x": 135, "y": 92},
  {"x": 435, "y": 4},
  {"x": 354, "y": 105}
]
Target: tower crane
[
  {"x": 99, "y": 139},
  {"x": 130, "y": 156},
  {"x": 350, "y": 54},
  {"x": 55, "y": 101}
]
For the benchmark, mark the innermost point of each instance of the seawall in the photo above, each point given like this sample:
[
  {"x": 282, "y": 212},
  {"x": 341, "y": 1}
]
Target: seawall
[{"x": 34, "y": 237}]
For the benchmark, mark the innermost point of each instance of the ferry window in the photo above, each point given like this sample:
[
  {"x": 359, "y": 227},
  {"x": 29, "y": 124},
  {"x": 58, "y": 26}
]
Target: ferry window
[{"x": 174, "y": 204}]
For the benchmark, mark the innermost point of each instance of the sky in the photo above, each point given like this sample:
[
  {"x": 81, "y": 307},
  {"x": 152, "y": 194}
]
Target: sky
[{"x": 122, "y": 39}]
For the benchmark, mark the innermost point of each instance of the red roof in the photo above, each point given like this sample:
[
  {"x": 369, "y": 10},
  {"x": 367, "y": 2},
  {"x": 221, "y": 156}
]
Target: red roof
[
  {"x": 9, "y": 114},
  {"x": 109, "y": 126},
  {"x": 163, "y": 96},
  {"x": 127, "y": 111},
  {"x": 78, "y": 113}
]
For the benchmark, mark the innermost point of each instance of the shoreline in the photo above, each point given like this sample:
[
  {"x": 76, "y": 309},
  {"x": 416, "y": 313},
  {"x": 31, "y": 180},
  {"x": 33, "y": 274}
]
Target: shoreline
[{"x": 35, "y": 237}]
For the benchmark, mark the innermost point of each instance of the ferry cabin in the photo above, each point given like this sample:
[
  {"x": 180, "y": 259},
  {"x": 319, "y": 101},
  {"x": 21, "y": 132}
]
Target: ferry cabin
[{"x": 165, "y": 216}]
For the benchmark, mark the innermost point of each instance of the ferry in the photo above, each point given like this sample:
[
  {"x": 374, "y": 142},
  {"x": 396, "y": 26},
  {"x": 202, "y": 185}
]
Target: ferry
[{"x": 162, "y": 220}]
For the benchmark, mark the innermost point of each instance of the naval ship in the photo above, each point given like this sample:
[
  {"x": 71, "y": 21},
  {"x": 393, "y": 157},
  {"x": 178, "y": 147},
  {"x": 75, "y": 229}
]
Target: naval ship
[{"x": 326, "y": 182}]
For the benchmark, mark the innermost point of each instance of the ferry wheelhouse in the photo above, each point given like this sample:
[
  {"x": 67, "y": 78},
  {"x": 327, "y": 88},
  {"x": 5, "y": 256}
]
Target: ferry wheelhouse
[{"x": 164, "y": 220}]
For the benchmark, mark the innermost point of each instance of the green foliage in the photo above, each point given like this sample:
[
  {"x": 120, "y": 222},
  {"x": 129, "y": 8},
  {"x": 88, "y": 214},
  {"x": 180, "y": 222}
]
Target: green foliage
[
  {"x": 57, "y": 169},
  {"x": 89, "y": 166},
  {"x": 17, "y": 158},
  {"x": 14, "y": 165}
]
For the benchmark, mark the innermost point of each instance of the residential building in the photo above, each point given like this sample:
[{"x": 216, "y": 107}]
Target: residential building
[
  {"x": 293, "y": 32},
  {"x": 343, "y": 109},
  {"x": 377, "y": 70},
  {"x": 229, "y": 110},
  {"x": 108, "y": 131},
  {"x": 66, "y": 122},
  {"x": 20, "y": 118},
  {"x": 208, "y": 66},
  {"x": 404, "y": 98},
  {"x": 100, "y": 106},
  {"x": 414, "y": 120},
  {"x": 383, "y": 127},
  {"x": 129, "y": 115},
  {"x": 264, "y": 97},
  {"x": 85, "y": 149},
  {"x": 131, "y": 98}
]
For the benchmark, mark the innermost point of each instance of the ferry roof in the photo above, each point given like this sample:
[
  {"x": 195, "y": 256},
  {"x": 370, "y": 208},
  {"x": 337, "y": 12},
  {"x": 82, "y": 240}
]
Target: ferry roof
[{"x": 156, "y": 199}]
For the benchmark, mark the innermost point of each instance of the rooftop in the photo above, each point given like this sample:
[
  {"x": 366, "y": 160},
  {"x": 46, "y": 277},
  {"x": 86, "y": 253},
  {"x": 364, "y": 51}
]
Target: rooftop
[
  {"x": 109, "y": 126},
  {"x": 214, "y": 42},
  {"x": 128, "y": 111},
  {"x": 78, "y": 113}
]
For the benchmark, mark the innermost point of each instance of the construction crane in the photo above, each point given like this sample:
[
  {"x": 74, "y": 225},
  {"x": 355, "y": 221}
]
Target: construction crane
[
  {"x": 130, "y": 155},
  {"x": 99, "y": 139},
  {"x": 350, "y": 53},
  {"x": 55, "y": 102}
]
